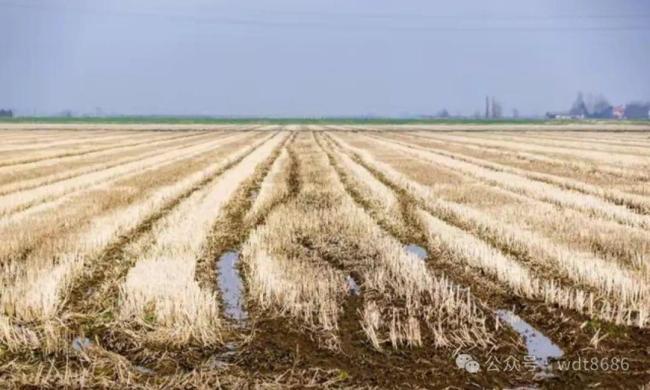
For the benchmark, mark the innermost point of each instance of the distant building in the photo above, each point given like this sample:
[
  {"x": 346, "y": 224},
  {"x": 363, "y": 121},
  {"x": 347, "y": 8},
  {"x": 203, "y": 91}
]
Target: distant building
[
  {"x": 618, "y": 112},
  {"x": 563, "y": 115}
]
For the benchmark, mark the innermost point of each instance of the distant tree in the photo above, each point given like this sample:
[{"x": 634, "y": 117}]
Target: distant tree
[
  {"x": 443, "y": 113},
  {"x": 579, "y": 108},
  {"x": 6, "y": 113},
  {"x": 637, "y": 110},
  {"x": 515, "y": 113},
  {"x": 496, "y": 110},
  {"x": 599, "y": 107}
]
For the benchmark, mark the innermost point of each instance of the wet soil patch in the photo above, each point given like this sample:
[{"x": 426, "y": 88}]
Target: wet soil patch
[{"x": 280, "y": 346}]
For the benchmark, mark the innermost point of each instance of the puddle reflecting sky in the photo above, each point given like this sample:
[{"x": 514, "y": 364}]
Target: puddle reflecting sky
[
  {"x": 231, "y": 286},
  {"x": 352, "y": 285},
  {"x": 538, "y": 345},
  {"x": 417, "y": 250}
]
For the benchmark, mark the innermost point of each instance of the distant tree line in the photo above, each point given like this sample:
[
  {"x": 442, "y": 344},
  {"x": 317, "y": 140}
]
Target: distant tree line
[
  {"x": 598, "y": 107},
  {"x": 637, "y": 110},
  {"x": 591, "y": 107},
  {"x": 6, "y": 113}
]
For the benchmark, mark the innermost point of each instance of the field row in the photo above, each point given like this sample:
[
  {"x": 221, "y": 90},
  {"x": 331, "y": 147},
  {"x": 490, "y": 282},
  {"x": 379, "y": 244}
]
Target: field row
[{"x": 170, "y": 258}]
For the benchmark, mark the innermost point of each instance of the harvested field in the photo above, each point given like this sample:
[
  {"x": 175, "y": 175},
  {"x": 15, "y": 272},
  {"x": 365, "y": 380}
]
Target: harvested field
[{"x": 318, "y": 256}]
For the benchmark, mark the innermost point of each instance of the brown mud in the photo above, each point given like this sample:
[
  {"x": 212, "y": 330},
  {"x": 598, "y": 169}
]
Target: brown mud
[
  {"x": 277, "y": 352},
  {"x": 571, "y": 330}
]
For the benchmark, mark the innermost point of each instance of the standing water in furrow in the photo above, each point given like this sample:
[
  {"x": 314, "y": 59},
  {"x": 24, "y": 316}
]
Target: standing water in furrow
[
  {"x": 231, "y": 286},
  {"x": 417, "y": 250},
  {"x": 538, "y": 345}
]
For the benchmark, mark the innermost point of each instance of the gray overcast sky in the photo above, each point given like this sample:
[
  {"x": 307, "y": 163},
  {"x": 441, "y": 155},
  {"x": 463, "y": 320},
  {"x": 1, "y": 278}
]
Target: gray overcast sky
[{"x": 319, "y": 57}]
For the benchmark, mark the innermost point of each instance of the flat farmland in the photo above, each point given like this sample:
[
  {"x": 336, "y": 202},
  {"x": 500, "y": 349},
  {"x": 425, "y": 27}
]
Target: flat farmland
[{"x": 315, "y": 255}]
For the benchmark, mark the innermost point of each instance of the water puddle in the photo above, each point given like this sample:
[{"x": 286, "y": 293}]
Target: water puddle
[
  {"x": 81, "y": 343},
  {"x": 231, "y": 286},
  {"x": 538, "y": 345},
  {"x": 352, "y": 286},
  {"x": 144, "y": 370},
  {"x": 417, "y": 250}
]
